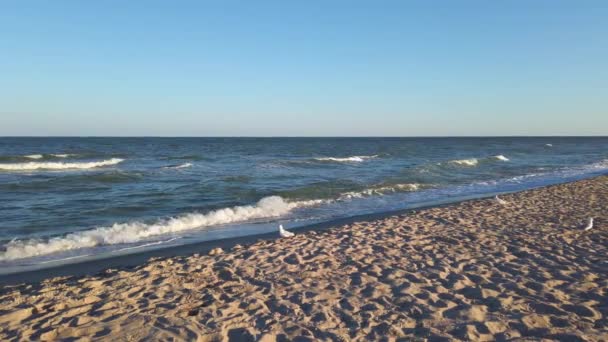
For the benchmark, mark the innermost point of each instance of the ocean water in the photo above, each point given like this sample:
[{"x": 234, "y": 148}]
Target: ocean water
[{"x": 71, "y": 199}]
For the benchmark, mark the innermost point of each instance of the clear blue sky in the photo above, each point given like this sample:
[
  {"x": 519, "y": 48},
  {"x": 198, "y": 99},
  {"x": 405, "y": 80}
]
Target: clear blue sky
[{"x": 209, "y": 68}]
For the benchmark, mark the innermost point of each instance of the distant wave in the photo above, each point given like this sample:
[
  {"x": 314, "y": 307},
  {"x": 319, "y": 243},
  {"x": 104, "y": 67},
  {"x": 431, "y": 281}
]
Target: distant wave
[
  {"x": 355, "y": 159},
  {"x": 43, "y": 156},
  {"x": 501, "y": 157},
  {"x": 180, "y": 166},
  {"x": 34, "y": 156},
  {"x": 474, "y": 161},
  {"x": 381, "y": 190},
  {"x": 120, "y": 233},
  {"x": 58, "y": 165},
  {"x": 465, "y": 162}
]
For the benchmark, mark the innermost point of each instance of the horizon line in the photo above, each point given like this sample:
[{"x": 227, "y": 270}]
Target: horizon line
[{"x": 305, "y": 136}]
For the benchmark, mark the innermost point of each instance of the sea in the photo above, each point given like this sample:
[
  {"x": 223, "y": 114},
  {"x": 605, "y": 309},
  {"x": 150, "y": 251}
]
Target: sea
[{"x": 66, "y": 200}]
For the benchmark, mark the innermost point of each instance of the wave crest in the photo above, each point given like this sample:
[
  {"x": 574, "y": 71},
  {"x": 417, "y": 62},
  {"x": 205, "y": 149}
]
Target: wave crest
[
  {"x": 46, "y": 156},
  {"x": 34, "y": 156},
  {"x": 180, "y": 166},
  {"x": 355, "y": 159},
  {"x": 120, "y": 233},
  {"x": 58, "y": 165},
  {"x": 474, "y": 161},
  {"x": 465, "y": 162}
]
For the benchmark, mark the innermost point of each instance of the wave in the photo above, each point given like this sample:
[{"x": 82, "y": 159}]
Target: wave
[
  {"x": 45, "y": 156},
  {"x": 121, "y": 233},
  {"x": 34, "y": 156},
  {"x": 602, "y": 164},
  {"x": 474, "y": 161},
  {"x": 355, "y": 159},
  {"x": 179, "y": 166},
  {"x": 465, "y": 162},
  {"x": 58, "y": 165},
  {"x": 501, "y": 157},
  {"x": 381, "y": 190}
]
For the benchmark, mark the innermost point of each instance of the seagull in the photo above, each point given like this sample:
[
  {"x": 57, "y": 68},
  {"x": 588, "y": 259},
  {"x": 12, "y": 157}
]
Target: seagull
[
  {"x": 589, "y": 224},
  {"x": 284, "y": 233},
  {"x": 500, "y": 200}
]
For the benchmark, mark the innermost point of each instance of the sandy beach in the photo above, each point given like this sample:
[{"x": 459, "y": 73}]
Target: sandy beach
[{"x": 477, "y": 270}]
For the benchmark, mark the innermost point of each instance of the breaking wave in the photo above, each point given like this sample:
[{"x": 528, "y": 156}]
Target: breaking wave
[
  {"x": 465, "y": 162},
  {"x": 45, "y": 156},
  {"x": 474, "y": 161},
  {"x": 352, "y": 159},
  {"x": 34, "y": 156},
  {"x": 58, "y": 165},
  {"x": 120, "y": 233},
  {"x": 602, "y": 164},
  {"x": 179, "y": 166}
]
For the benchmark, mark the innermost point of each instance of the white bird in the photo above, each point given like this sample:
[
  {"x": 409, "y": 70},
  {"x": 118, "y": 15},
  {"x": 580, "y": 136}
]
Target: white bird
[
  {"x": 500, "y": 200},
  {"x": 589, "y": 224},
  {"x": 549, "y": 145},
  {"x": 284, "y": 233}
]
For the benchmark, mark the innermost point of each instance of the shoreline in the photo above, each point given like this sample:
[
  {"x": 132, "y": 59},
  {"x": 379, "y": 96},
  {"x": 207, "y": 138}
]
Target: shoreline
[
  {"x": 472, "y": 270},
  {"x": 129, "y": 261}
]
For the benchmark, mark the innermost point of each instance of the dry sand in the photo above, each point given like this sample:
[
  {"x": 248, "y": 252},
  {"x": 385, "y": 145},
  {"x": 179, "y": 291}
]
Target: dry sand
[{"x": 476, "y": 270}]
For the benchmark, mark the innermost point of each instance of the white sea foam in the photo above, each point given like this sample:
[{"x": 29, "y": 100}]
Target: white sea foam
[
  {"x": 355, "y": 159},
  {"x": 34, "y": 156},
  {"x": 381, "y": 190},
  {"x": 602, "y": 164},
  {"x": 63, "y": 155},
  {"x": 501, "y": 157},
  {"x": 181, "y": 166},
  {"x": 474, "y": 161},
  {"x": 119, "y": 233},
  {"x": 465, "y": 162},
  {"x": 549, "y": 145},
  {"x": 58, "y": 165}
]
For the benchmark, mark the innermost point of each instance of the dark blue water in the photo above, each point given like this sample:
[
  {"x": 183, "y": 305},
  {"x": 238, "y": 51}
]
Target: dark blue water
[{"x": 77, "y": 198}]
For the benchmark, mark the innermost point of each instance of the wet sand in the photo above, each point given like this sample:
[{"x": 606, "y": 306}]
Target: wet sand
[{"x": 476, "y": 270}]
